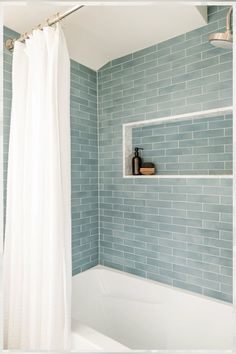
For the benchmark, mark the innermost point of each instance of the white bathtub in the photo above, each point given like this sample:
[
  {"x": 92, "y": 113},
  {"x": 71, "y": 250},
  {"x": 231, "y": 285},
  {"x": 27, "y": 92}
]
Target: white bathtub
[{"x": 115, "y": 311}]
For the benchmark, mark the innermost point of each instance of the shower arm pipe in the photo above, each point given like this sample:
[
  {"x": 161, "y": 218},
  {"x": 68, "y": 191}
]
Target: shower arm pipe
[
  {"x": 50, "y": 22},
  {"x": 228, "y": 19}
]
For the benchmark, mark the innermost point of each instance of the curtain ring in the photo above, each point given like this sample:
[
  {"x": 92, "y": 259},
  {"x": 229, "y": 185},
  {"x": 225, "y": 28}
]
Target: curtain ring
[{"x": 40, "y": 27}]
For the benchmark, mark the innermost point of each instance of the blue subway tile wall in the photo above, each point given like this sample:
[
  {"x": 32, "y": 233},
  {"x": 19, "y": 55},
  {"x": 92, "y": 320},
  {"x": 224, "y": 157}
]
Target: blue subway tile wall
[
  {"x": 187, "y": 147},
  {"x": 7, "y": 96},
  {"x": 84, "y": 157},
  {"x": 84, "y": 167},
  {"x": 176, "y": 231}
]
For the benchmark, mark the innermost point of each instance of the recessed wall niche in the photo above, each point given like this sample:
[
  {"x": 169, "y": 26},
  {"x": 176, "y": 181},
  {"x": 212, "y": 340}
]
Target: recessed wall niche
[{"x": 195, "y": 145}]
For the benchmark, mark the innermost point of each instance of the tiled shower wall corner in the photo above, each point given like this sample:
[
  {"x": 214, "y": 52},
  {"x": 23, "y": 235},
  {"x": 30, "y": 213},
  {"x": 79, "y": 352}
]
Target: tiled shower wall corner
[
  {"x": 84, "y": 170},
  {"x": 177, "y": 231}
]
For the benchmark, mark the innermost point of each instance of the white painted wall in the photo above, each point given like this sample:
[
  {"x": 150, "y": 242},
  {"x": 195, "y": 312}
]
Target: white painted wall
[{"x": 98, "y": 34}]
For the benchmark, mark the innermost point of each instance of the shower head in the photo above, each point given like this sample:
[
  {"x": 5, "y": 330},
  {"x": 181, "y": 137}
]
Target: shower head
[{"x": 223, "y": 39}]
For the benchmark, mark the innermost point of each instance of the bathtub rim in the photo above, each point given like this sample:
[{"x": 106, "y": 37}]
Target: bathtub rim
[
  {"x": 155, "y": 282},
  {"x": 230, "y": 307}
]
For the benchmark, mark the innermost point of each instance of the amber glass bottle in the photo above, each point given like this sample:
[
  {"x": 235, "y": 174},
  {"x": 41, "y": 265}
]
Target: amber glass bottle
[{"x": 136, "y": 162}]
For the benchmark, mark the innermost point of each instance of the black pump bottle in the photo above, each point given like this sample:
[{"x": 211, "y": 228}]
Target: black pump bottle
[{"x": 136, "y": 162}]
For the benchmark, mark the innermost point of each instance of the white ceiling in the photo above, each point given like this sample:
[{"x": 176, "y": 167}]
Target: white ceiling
[{"x": 98, "y": 34}]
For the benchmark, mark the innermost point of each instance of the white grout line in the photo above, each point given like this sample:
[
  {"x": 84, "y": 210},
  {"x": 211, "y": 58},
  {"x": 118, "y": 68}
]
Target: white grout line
[
  {"x": 194, "y": 115},
  {"x": 1, "y": 180},
  {"x": 234, "y": 182},
  {"x": 98, "y": 174}
]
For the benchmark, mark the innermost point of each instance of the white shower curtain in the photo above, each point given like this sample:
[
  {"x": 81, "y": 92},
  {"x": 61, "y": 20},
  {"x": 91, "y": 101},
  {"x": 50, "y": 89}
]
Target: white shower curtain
[{"x": 37, "y": 252}]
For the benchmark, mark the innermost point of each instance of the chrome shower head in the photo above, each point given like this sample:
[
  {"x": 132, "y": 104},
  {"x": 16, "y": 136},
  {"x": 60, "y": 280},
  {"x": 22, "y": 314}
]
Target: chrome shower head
[{"x": 223, "y": 39}]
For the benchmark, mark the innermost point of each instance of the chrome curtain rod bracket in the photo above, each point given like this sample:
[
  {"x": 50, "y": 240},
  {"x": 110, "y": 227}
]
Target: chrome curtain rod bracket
[
  {"x": 50, "y": 22},
  {"x": 9, "y": 44}
]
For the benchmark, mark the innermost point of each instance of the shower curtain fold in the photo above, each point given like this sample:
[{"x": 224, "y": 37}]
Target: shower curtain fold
[{"x": 37, "y": 250}]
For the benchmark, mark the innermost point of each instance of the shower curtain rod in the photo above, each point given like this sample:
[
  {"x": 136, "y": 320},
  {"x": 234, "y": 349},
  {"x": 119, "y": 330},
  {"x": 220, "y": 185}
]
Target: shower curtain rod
[{"x": 10, "y": 41}]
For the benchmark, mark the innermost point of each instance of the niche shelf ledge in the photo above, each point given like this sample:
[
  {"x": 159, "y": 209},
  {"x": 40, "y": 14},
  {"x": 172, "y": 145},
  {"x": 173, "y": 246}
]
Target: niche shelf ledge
[
  {"x": 180, "y": 176},
  {"x": 127, "y": 141}
]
